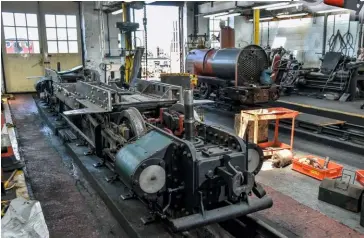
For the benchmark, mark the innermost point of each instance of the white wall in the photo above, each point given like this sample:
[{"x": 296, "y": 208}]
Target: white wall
[
  {"x": 305, "y": 36},
  {"x": 243, "y": 31},
  {"x": 96, "y": 38}
]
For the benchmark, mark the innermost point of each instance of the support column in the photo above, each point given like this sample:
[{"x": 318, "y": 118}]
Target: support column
[
  {"x": 256, "y": 26},
  {"x": 325, "y": 35}
]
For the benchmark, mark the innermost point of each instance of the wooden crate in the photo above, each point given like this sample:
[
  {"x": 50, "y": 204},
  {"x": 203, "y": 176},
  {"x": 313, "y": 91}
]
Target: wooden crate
[{"x": 263, "y": 129}]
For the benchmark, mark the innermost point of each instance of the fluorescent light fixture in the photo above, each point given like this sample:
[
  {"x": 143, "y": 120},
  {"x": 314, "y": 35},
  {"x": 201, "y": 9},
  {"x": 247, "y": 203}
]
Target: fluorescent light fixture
[
  {"x": 117, "y": 12},
  {"x": 285, "y": 6},
  {"x": 293, "y": 15},
  {"x": 148, "y": 2},
  {"x": 216, "y": 14},
  {"x": 263, "y": 18},
  {"x": 228, "y": 15},
  {"x": 332, "y": 10},
  {"x": 271, "y": 5}
]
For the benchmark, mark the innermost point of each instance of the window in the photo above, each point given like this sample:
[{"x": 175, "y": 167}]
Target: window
[
  {"x": 21, "y": 33},
  {"x": 61, "y": 31},
  {"x": 279, "y": 42}
]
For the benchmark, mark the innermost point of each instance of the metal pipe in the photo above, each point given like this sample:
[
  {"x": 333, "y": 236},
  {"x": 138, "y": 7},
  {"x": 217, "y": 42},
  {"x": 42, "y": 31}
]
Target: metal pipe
[
  {"x": 108, "y": 35},
  {"x": 221, "y": 214},
  {"x": 189, "y": 119},
  {"x": 82, "y": 33},
  {"x": 325, "y": 35},
  {"x": 74, "y": 127}
]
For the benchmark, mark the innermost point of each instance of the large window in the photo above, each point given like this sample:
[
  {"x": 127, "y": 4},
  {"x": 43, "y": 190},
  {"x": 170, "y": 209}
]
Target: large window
[
  {"x": 21, "y": 33},
  {"x": 61, "y": 33},
  {"x": 214, "y": 25}
]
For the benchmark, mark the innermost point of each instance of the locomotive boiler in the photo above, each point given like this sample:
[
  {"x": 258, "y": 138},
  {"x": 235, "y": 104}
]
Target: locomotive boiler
[
  {"x": 187, "y": 173},
  {"x": 232, "y": 74}
]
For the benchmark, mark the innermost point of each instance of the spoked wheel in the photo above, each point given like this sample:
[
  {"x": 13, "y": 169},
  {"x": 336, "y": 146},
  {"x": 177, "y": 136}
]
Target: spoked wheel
[
  {"x": 133, "y": 120},
  {"x": 204, "y": 90}
]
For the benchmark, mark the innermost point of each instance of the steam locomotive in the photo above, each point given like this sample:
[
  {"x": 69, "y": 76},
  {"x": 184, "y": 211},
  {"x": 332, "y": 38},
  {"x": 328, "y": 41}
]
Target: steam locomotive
[
  {"x": 188, "y": 174},
  {"x": 232, "y": 74}
]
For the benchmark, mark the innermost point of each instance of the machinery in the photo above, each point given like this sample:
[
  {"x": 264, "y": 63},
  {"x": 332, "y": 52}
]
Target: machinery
[
  {"x": 338, "y": 75},
  {"x": 187, "y": 173},
  {"x": 232, "y": 74}
]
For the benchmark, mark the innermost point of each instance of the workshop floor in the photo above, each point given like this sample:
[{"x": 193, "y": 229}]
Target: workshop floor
[
  {"x": 73, "y": 209},
  {"x": 70, "y": 206},
  {"x": 296, "y": 207},
  {"x": 346, "y": 107}
]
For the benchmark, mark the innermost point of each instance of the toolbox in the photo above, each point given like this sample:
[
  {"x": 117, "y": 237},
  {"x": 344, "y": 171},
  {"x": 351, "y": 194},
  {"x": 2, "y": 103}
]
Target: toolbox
[
  {"x": 333, "y": 170},
  {"x": 362, "y": 211},
  {"x": 360, "y": 176},
  {"x": 341, "y": 193}
]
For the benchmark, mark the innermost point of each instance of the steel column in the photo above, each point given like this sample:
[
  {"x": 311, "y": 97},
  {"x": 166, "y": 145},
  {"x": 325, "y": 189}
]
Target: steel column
[
  {"x": 256, "y": 26},
  {"x": 325, "y": 35}
]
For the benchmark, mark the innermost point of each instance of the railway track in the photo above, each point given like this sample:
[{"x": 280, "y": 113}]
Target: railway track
[
  {"x": 251, "y": 227},
  {"x": 341, "y": 132},
  {"x": 248, "y": 227}
]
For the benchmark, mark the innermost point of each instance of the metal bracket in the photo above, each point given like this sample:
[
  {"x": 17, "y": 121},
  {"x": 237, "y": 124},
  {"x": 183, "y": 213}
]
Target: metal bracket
[
  {"x": 111, "y": 179},
  {"x": 127, "y": 196},
  {"x": 148, "y": 219},
  {"x": 89, "y": 152},
  {"x": 99, "y": 164}
]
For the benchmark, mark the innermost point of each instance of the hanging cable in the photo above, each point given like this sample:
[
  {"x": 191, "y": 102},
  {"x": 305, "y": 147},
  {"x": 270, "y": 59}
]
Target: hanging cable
[
  {"x": 348, "y": 37},
  {"x": 268, "y": 36}
]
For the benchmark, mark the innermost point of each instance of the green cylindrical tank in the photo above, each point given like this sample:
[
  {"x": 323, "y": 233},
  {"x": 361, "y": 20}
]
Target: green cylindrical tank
[{"x": 140, "y": 165}]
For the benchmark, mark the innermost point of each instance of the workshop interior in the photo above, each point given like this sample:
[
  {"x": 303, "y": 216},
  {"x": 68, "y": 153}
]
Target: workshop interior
[{"x": 182, "y": 118}]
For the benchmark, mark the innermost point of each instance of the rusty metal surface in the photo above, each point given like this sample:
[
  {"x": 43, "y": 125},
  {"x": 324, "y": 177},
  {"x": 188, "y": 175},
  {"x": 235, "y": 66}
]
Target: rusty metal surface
[
  {"x": 244, "y": 66},
  {"x": 227, "y": 37},
  {"x": 71, "y": 207}
]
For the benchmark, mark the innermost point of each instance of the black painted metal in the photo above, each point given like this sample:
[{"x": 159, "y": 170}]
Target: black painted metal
[
  {"x": 324, "y": 35},
  {"x": 220, "y": 214},
  {"x": 341, "y": 193},
  {"x": 224, "y": 62}
]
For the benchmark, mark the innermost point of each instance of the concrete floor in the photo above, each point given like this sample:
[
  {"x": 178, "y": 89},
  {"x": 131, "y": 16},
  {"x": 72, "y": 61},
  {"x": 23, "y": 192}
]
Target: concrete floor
[
  {"x": 349, "y": 107},
  {"x": 70, "y": 206},
  {"x": 300, "y": 187},
  {"x": 73, "y": 209}
]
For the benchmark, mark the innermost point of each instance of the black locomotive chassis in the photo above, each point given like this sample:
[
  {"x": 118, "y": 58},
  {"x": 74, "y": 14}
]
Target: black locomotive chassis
[
  {"x": 244, "y": 94},
  {"x": 224, "y": 213}
]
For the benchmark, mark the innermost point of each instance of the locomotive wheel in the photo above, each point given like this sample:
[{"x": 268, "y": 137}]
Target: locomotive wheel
[
  {"x": 255, "y": 160},
  {"x": 134, "y": 120},
  {"x": 204, "y": 90}
]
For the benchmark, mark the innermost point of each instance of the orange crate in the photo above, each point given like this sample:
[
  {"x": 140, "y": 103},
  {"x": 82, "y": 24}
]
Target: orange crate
[
  {"x": 334, "y": 170},
  {"x": 360, "y": 176}
]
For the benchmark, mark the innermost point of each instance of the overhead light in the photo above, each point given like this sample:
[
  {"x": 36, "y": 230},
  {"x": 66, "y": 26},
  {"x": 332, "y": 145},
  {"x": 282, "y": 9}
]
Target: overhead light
[
  {"x": 148, "y": 2},
  {"x": 293, "y": 15},
  {"x": 117, "y": 12},
  {"x": 216, "y": 14},
  {"x": 285, "y": 6},
  {"x": 332, "y": 10},
  {"x": 228, "y": 15},
  {"x": 271, "y": 5},
  {"x": 263, "y": 19}
]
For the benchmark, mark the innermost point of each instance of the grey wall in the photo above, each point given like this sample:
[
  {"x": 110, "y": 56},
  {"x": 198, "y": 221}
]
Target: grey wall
[
  {"x": 93, "y": 49},
  {"x": 305, "y": 36},
  {"x": 243, "y": 31},
  {"x": 96, "y": 38}
]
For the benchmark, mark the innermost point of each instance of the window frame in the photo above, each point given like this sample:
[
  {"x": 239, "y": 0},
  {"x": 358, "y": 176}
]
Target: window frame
[
  {"x": 66, "y": 27},
  {"x": 15, "y": 26}
]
